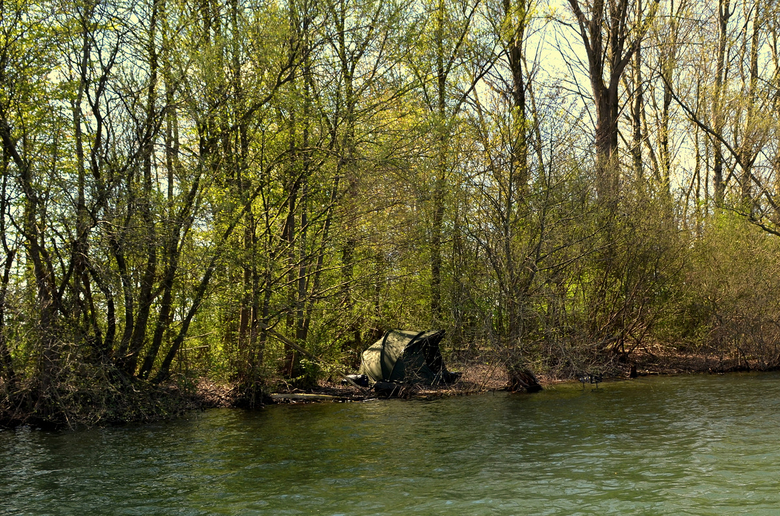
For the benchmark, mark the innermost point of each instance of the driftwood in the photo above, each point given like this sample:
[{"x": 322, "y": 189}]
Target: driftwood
[
  {"x": 523, "y": 380},
  {"x": 387, "y": 389},
  {"x": 303, "y": 397}
]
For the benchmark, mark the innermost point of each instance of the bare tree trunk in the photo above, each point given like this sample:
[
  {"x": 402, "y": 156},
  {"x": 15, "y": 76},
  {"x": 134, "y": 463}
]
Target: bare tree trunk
[
  {"x": 6, "y": 363},
  {"x": 147, "y": 292},
  {"x": 724, "y": 14},
  {"x": 751, "y": 135},
  {"x": 636, "y": 114},
  {"x": 610, "y": 43},
  {"x": 515, "y": 20},
  {"x": 48, "y": 297},
  {"x": 441, "y": 167}
]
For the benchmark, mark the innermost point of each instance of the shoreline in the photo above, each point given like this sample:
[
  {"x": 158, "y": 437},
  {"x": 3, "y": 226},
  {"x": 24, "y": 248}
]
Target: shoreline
[
  {"x": 479, "y": 377},
  {"x": 146, "y": 404}
]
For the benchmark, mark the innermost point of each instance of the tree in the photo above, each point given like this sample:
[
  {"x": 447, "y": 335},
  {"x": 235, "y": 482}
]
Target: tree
[
  {"x": 610, "y": 41},
  {"x": 25, "y": 117},
  {"x": 445, "y": 81}
]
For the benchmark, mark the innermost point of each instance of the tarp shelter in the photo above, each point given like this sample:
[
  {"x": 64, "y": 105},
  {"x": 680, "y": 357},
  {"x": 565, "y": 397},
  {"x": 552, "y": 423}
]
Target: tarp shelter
[{"x": 407, "y": 356}]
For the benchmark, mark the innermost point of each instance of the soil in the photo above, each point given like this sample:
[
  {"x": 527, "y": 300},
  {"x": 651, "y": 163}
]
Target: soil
[
  {"x": 481, "y": 377},
  {"x": 659, "y": 360},
  {"x": 475, "y": 377}
]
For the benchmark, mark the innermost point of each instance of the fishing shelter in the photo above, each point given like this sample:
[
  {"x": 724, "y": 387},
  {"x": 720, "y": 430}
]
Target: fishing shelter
[{"x": 405, "y": 356}]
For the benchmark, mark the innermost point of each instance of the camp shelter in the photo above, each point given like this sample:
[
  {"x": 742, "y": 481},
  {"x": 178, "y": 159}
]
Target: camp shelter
[{"x": 407, "y": 356}]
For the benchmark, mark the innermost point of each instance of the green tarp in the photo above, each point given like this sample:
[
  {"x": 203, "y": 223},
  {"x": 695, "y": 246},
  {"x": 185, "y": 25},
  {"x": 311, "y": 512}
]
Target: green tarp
[{"x": 407, "y": 356}]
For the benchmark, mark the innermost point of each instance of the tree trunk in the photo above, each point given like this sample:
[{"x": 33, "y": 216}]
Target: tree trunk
[
  {"x": 515, "y": 21},
  {"x": 724, "y": 14},
  {"x": 6, "y": 363},
  {"x": 607, "y": 61},
  {"x": 147, "y": 292},
  {"x": 441, "y": 168}
]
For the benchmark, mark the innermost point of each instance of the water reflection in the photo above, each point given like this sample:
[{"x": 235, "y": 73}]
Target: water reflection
[{"x": 682, "y": 445}]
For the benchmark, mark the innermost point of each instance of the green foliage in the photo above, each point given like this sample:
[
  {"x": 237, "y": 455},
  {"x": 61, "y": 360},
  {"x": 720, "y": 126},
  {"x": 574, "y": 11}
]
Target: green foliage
[
  {"x": 253, "y": 193},
  {"x": 729, "y": 304}
]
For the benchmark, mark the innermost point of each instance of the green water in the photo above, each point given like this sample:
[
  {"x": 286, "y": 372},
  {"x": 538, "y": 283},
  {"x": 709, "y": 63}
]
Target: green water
[{"x": 681, "y": 445}]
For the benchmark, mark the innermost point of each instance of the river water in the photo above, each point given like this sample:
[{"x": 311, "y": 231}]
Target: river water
[{"x": 675, "y": 445}]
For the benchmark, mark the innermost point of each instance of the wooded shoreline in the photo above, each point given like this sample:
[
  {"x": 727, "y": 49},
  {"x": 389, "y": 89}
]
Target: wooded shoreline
[
  {"x": 251, "y": 192},
  {"x": 478, "y": 378},
  {"x": 170, "y": 402}
]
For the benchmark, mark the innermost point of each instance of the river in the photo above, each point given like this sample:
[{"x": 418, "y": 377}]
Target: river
[{"x": 669, "y": 445}]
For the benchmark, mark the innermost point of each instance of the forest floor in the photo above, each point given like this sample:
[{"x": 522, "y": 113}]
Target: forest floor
[
  {"x": 480, "y": 377},
  {"x": 475, "y": 378},
  {"x": 655, "y": 360}
]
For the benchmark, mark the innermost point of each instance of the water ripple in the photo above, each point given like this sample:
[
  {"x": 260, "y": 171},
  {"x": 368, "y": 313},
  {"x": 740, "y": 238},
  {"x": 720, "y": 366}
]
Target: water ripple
[{"x": 684, "y": 445}]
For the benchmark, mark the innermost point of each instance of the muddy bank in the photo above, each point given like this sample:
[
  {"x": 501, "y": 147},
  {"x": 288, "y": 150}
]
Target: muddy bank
[
  {"x": 480, "y": 377},
  {"x": 475, "y": 378},
  {"x": 653, "y": 361},
  {"x": 141, "y": 402}
]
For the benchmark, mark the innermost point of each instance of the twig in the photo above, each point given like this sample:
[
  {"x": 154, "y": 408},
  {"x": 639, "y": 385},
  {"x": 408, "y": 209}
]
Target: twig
[{"x": 298, "y": 348}]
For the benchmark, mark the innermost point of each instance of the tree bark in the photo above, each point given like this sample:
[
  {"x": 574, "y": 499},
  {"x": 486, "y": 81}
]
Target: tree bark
[
  {"x": 718, "y": 121},
  {"x": 610, "y": 43}
]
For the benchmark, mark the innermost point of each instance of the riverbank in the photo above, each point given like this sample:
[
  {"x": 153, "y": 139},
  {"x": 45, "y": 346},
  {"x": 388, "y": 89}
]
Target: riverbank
[
  {"x": 484, "y": 377},
  {"x": 475, "y": 378},
  {"x": 142, "y": 402},
  {"x": 657, "y": 360}
]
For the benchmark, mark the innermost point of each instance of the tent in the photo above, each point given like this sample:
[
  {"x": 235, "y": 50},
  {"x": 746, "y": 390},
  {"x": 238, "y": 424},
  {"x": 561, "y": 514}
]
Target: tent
[{"x": 407, "y": 356}]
